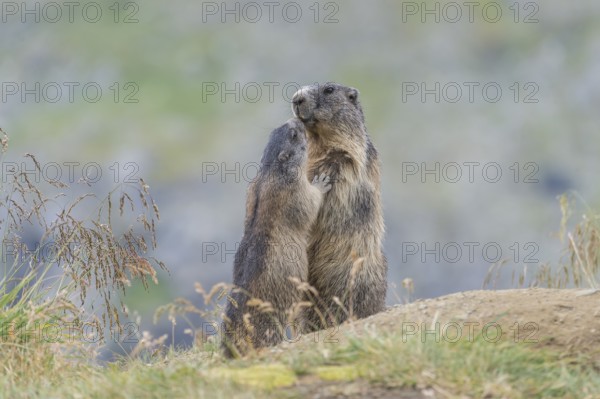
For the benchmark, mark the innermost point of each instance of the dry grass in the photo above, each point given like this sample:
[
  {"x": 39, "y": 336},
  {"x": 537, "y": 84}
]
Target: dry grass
[
  {"x": 579, "y": 266},
  {"x": 47, "y": 292}
]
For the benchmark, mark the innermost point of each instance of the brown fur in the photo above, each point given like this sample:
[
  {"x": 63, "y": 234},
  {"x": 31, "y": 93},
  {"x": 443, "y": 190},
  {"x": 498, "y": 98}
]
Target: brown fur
[
  {"x": 271, "y": 261},
  {"x": 345, "y": 253}
]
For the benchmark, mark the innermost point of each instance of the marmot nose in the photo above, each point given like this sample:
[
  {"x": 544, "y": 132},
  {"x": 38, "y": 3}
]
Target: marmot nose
[{"x": 298, "y": 99}]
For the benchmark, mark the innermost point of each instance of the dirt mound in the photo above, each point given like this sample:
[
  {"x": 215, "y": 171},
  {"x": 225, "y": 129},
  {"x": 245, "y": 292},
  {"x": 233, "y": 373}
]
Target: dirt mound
[{"x": 567, "y": 320}]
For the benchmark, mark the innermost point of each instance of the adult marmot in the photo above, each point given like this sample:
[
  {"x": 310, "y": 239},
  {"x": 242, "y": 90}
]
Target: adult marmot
[
  {"x": 345, "y": 256},
  {"x": 281, "y": 207}
]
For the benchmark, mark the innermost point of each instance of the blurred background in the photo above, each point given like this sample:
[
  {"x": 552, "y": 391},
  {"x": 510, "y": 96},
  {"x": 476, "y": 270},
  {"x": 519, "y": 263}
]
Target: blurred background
[{"x": 482, "y": 114}]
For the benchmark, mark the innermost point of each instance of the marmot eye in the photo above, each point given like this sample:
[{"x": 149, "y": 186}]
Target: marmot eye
[
  {"x": 294, "y": 134},
  {"x": 328, "y": 90}
]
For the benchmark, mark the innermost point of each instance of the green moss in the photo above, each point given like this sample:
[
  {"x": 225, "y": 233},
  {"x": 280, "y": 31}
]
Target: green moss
[
  {"x": 337, "y": 373},
  {"x": 268, "y": 376}
]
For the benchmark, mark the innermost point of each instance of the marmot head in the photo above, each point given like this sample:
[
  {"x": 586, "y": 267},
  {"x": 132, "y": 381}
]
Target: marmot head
[
  {"x": 286, "y": 151},
  {"x": 327, "y": 108}
]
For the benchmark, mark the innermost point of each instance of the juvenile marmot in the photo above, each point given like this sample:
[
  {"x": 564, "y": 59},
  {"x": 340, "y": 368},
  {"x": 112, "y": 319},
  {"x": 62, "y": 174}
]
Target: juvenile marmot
[
  {"x": 281, "y": 207},
  {"x": 345, "y": 256}
]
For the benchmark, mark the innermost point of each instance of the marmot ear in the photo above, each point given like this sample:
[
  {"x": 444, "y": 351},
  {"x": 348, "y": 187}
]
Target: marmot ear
[
  {"x": 353, "y": 94},
  {"x": 283, "y": 156}
]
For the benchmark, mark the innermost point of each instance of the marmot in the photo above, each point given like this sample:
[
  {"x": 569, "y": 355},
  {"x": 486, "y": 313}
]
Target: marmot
[
  {"x": 345, "y": 256},
  {"x": 271, "y": 261}
]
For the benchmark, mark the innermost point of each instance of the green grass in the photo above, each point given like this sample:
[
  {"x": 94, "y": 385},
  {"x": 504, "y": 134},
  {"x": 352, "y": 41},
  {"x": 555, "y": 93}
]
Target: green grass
[{"x": 477, "y": 369}]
